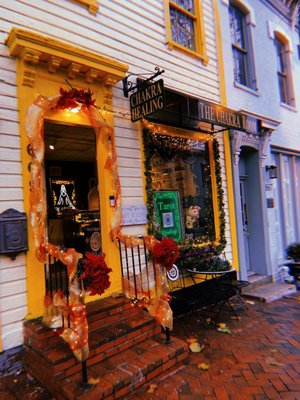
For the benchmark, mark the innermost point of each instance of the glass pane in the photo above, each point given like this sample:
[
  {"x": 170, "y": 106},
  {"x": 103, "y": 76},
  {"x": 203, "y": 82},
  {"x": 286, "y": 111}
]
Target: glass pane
[
  {"x": 280, "y": 56},
  {"x": 282, "y": 81},
  {"x": 236, "y": 18},
  {"x": 240, "y": 66},
  {"x": 182, "y": 28},
  {"x": 188, "y": 5},
  {"x": 188, "y": 172}
]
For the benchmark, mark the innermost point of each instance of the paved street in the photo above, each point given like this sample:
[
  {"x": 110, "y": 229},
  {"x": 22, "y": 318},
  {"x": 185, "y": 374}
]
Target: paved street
[{"x": 258, "y": 359}]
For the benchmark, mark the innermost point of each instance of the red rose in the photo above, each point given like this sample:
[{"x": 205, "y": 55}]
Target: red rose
[{"x": 165, "y": 252}]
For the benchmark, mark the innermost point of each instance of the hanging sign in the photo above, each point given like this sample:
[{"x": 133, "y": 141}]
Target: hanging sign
[
  {"x": 147, "y": 100},
  {"x": 168, "y": 213}
]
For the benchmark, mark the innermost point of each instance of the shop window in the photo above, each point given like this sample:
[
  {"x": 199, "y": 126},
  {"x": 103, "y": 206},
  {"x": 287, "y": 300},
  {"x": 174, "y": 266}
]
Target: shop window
[
  {"x": 284, "y": 71},
  {"x": 185, "y": 28},
  {"x": 179, "y": 168},
  {"x": 243, "y": 65}
]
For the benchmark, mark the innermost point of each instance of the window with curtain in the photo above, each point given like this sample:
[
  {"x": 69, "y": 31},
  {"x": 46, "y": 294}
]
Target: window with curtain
[
  {"x": 184, "y": 26},
  {"x": 241, "y": 48}
]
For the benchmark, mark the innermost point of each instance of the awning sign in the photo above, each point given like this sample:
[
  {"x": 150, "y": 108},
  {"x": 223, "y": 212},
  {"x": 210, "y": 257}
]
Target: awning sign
[
  {"x": 147, "y": 100},
  {"x": 222, "y": 116}
]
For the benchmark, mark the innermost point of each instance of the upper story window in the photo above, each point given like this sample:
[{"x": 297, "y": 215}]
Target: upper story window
[
  {"x": 284, "y": 72},
  {"x": 185, "y": 27},
  {"x": 241, "y": 48}
]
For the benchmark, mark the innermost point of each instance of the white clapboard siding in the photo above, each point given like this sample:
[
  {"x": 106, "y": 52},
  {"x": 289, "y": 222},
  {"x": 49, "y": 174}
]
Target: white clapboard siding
[
  {"x": 10, "y": 167},
  {"x": 9, "y": 141},
  {"x": 11, "y": 316},
  {"x": 16, "y": 204},
  {"x": 13, "y": 181},
  {"x": 12, "y": 274},
  {"x": 13, "y": 288},
  {"x": 15, "y": 301},
  {"x": 12, "y": 335},
  {"x": 132, "y": 32}
]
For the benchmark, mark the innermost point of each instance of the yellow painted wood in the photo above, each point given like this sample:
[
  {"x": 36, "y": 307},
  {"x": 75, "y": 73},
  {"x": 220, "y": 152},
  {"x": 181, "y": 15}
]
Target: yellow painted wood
[
  {"x": 200, "y": 45},
  {"x": 92, "y": 5},
  {"x": 227, "y": 150},
  {"x": 37, "y": 56},
  {"x": 214, "y": 190}
]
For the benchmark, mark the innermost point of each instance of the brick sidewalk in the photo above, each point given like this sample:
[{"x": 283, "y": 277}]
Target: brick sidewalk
[{"x": 258, "y": 360}]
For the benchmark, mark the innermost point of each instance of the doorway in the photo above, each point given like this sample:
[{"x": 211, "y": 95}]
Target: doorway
[
  {"x": 244, "y": 212},
  {"x": 71, "y": 183},
  {"x": 252, "y": 225}
]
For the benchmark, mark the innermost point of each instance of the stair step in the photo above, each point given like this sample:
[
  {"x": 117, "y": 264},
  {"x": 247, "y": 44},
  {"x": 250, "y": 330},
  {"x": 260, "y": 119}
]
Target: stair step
[
  {"x": 269, "y": 292},
  {"x": 127, "y": 371},
  {"x": 257, "y": 280},
  {"x": 99, "y": 313},
  {"x": 104, "y": 342},
  {"x": 126, "y": 351}
]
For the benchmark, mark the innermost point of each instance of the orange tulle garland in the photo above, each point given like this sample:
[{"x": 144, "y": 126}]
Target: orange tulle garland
[
  {"x": 56, "y": 305},
  {"x": 157, "y": 301}
]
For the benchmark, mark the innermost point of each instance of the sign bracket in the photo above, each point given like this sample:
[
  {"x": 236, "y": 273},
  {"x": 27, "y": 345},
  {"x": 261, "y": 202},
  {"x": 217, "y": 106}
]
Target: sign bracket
[{"x": 128, "y": 86}]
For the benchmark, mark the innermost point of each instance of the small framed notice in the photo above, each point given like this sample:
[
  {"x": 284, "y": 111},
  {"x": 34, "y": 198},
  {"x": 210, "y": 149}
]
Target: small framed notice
[
  {"x": 134, "y": 215},
  {"x": 168, "y": 216}
]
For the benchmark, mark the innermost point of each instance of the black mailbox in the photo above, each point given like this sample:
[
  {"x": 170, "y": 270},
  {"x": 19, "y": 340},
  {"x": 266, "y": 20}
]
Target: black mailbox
[{"x": 13, "y": 233}]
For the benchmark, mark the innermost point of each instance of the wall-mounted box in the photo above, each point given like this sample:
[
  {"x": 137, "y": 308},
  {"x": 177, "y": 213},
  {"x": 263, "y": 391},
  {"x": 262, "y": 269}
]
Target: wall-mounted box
[{"x": 13, "y": 233}]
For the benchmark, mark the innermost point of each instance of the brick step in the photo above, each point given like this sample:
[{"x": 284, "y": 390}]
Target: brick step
[
  {"x": 104, "y": 342},
  {"x": 109, "y": 310},
  {"x": 124, "y": 372},
  {"x": 99, "y": 313}
]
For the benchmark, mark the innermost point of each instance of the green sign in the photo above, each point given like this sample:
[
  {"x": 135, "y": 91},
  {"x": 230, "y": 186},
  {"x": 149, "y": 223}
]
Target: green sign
[
  {"x": 168, "y": 214},
  {"x": 147, "y": 100}
]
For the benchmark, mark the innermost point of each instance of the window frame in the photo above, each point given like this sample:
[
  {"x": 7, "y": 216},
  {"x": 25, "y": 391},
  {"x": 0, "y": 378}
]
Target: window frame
[
  {"x": 91, "y": 5},
  {"x": 199, "y": 35},
  {"x": 288, "y": 99},
  {"x": 248, "y": 63}
]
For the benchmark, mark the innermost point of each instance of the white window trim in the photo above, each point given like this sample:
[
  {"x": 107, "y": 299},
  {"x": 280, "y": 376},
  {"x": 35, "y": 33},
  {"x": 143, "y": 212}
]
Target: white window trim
[
  {"x": 274, "y": 31},
  {"x": 251, "y": 23},
  {"x": 273, "y": 28},
  {"x": 246, "y": 7}
]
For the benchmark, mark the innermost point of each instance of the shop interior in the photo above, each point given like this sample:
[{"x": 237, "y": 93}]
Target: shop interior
[{"x": 71, "y": 182}]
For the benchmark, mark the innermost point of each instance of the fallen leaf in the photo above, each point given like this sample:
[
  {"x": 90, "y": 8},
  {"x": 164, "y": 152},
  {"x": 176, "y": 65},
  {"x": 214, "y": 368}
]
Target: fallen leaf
[
  {"x": 223, "y": 330},
  {"x": 272, "y": 361},
  {"x": 191, "y": 340},
  {"x": 152, "y": 388},
  {"x": 195, "y": 347},
  {"x": 203, "y": 366},
  {"x": 93, "y": 381},
  {"x": 273, "y": 351}
]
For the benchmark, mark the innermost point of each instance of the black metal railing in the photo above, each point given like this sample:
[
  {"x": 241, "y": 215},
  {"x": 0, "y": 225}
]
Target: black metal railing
[
  {"x": 56, "y": 279},
  {"x": 137, "y": 273}
]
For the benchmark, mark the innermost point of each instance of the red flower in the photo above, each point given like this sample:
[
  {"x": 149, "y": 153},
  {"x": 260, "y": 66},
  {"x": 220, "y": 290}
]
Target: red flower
[
  {"x": 95, "y": 273},
  {"x": 166, "y": 252},
  {"x": 70, "y": 99}
]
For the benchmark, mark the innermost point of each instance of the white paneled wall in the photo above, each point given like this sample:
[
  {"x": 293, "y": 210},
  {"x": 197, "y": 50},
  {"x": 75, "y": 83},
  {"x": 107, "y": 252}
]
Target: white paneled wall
[{"x": 129, "y": 31}]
